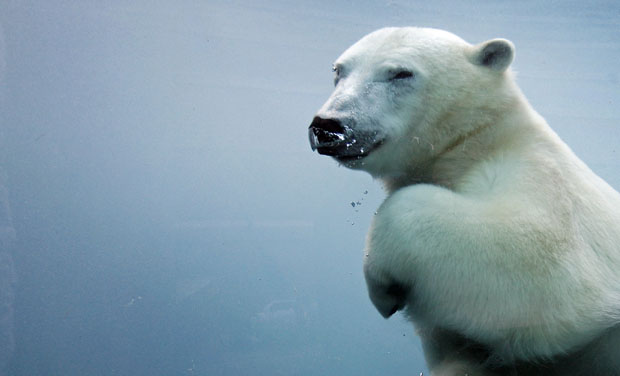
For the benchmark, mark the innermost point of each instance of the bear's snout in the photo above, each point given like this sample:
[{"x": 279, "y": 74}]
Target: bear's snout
[
  {"x": 327, "y": 136},
  {"x": 339, "y": 139}
]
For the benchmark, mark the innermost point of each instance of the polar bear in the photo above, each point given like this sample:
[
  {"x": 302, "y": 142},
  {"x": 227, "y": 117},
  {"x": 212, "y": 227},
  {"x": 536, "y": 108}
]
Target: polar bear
[{"x": 495, "y": 240}]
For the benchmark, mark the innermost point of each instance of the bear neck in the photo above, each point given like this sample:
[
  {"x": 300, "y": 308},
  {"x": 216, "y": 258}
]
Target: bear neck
[{"x": 518, "y": 125}]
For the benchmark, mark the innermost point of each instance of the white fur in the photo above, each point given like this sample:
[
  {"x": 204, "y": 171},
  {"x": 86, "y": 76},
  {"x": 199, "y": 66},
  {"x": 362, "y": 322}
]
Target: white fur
[{"x": 492, "y": 227}]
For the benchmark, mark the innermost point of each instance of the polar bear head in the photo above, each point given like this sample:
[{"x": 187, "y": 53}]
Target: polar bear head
[{"x": 403, "y": 96}]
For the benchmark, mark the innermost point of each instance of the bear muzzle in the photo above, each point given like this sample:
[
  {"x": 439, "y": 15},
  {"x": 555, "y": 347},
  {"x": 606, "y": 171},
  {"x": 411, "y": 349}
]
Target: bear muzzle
[{"x": 331, "y": 137}]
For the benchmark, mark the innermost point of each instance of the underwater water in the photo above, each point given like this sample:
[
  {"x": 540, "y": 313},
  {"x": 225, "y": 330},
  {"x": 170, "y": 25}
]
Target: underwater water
[{"x": 161, "y": 211}]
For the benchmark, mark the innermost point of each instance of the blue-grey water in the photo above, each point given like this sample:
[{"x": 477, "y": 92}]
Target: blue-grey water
[{"x": 161, "y": 212}]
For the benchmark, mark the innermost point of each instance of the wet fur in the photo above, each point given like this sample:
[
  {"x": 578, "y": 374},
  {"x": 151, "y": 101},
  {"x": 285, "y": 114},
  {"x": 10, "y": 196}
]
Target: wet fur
[{"x": 499, "y": 244}]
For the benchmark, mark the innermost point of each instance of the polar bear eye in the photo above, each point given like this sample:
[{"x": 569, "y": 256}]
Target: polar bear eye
[
  {"x": 336, "y": 69},
  {"x": 401, "y": 75}
]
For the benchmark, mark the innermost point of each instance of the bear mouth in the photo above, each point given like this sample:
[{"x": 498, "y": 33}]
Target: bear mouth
[
  {"x": 363, "y": 153},
  {"x": 332, "y": 138}
]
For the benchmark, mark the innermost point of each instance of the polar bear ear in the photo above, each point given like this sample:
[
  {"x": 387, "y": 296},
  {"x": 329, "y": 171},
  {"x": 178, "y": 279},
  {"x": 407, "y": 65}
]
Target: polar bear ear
[{"x": 496, "y": 54}]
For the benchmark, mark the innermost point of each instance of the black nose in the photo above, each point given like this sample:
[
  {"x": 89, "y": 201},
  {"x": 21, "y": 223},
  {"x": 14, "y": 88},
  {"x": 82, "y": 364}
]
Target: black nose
[{"x": 326, "y": 135}]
